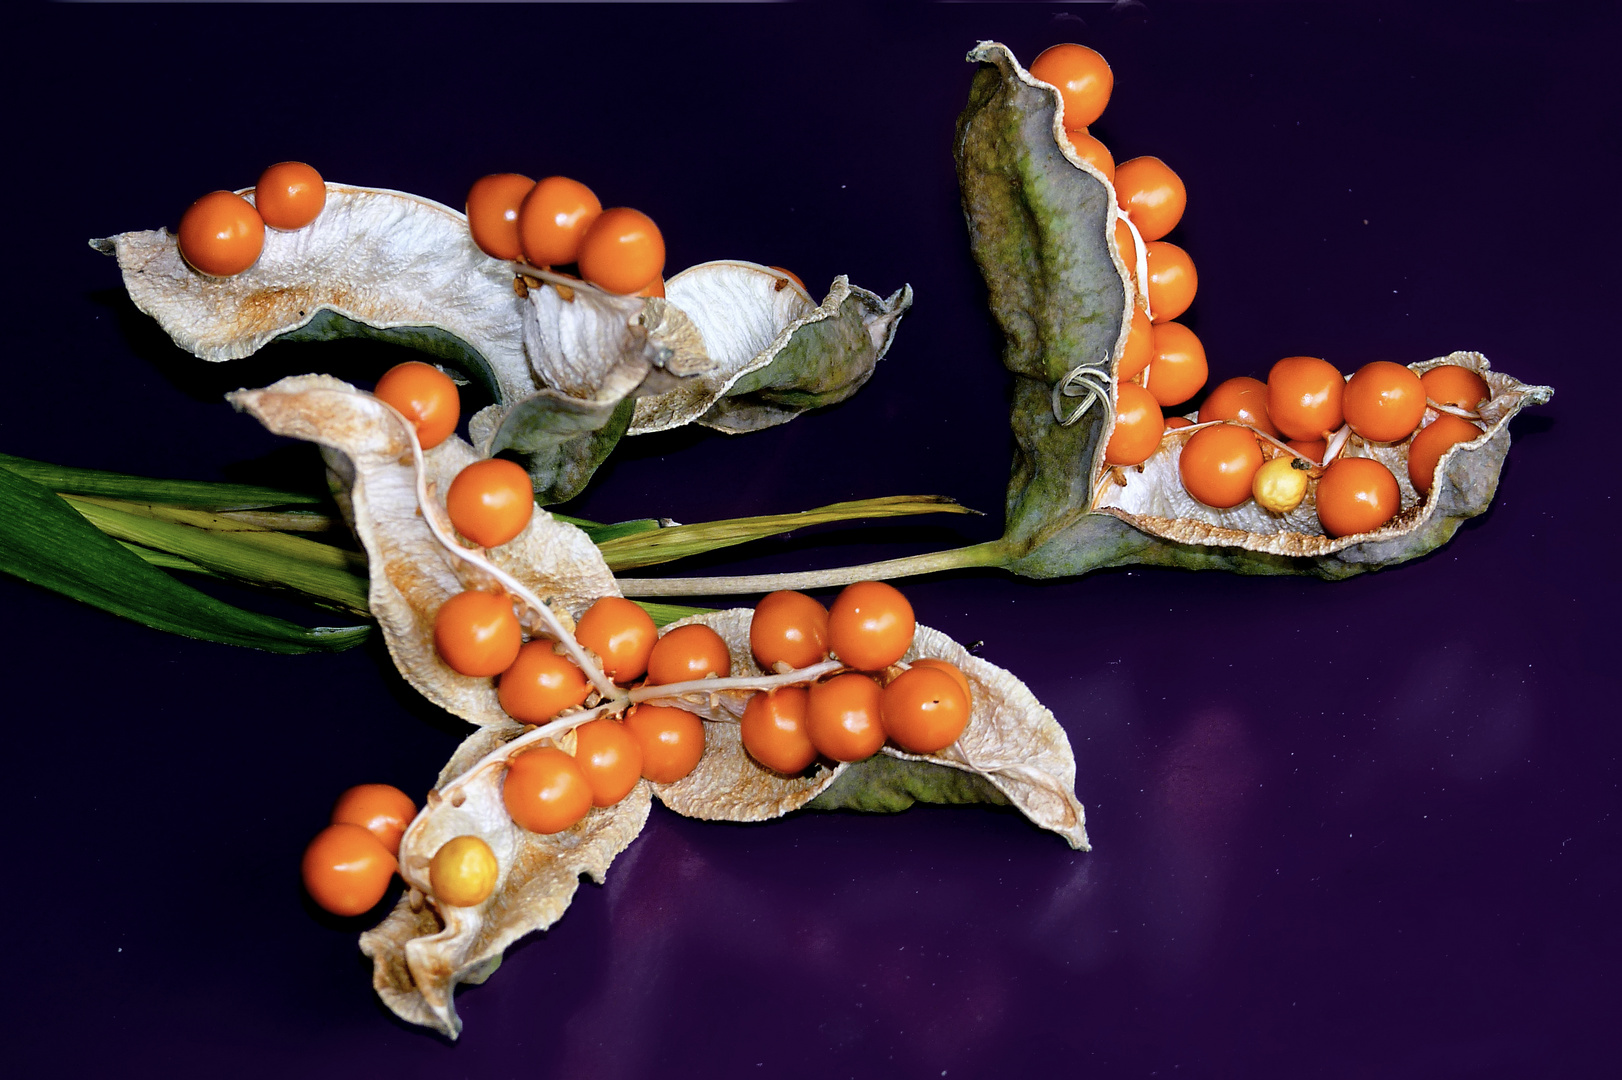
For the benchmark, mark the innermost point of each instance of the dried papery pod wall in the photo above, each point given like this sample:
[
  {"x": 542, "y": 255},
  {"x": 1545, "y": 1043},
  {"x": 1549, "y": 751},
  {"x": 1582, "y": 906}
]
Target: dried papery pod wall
[
  {"x": 1043, "y": 226},
  {"x": 1042, "y": 229},
  {"x": 734, "y": 345},
  {"x": 370, "y": 450},
  {"x": 1012, "y": 752}
]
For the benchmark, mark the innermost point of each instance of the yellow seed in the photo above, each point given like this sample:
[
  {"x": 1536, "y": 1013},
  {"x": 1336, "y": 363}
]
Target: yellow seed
[
  {"x": 463, "y": 872},
  {"x": 1279, "y": 486}
]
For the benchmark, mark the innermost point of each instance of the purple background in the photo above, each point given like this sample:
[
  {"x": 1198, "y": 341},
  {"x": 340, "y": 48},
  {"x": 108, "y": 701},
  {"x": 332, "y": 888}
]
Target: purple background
[{"x": 1341, "y": 830}]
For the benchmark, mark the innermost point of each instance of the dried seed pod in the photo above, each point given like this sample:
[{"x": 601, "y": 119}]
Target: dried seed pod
[
  {"x": 419, "y": 957},
  {"x": 1012, "y": 751},
  {"x": 358, "y": 270},
  {"x": 776, "y": 353},
  {"x": 1066, "y": 325},
  {"x": 572, "y": 368},
  {"x": 369, "y": 448}
]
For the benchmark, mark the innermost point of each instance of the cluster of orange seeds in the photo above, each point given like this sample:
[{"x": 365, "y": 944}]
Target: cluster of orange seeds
[
  {"x": 849, "y": 715},
  {"x": 843, "y": 709},
  {"x": 1271, "y": 441},
  {"x": 836, "y": 713},
  {"x": 348, "y": 865},
  {"x": 557, "y": 223},
  {"x": 560, "y": 222},
  {"x": 222, "y": 234},
  {"x": 1163, "y": 363},
  {"x": 1306, "y": 405}
]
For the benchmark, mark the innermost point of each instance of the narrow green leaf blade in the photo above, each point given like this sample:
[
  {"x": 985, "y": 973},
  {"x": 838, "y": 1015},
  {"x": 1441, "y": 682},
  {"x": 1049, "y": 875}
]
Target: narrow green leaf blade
[
  {"x": 266, "y": 558},
  {"x": 163, "y": 560},
  {"x": 665, "y": 614},
  {"x": 195, "y": 493},
  {"x": 43, "y": 540},
  {"x": 598, "y": 532},
  {"x": 680, "y": 541},
  {"x": 603, "y": 533}
]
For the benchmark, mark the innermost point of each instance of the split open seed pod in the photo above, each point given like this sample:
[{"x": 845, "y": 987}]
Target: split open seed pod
[
  {"x": 1042, "y": 229},
  {"x": 733, "y": 345},
  {"x": 381, "y": 479},
  {"x": 775, "y": 353},
  {"x": 1012, "y": 752}
]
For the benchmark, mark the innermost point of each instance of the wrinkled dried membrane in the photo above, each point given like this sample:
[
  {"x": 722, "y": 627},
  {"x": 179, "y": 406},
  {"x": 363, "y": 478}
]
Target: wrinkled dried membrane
[
  {"x": 733, "y": 345},
  {"x": 1012, "y": 750},
  {"x": 1042, "y": 228}
]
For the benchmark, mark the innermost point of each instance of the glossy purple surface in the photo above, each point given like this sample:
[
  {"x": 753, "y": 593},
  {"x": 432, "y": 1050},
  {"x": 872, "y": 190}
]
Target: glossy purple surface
[{"x": 1359, "y": 829}]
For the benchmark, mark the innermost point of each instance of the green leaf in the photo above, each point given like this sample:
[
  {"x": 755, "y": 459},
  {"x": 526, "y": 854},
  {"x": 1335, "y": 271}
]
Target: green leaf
[
  {"x": 665, "y": 614},
  {"x": 266, "y": 558},
  {"x": 679, "y": 541},
  {"x": 888, "y": 785},
  {"x": 164, "y": 560},
  {"x": 597, "y": 531},
  {"x": 602, "y": 533},
  {"x": 43, "y": 540},
  {"x": 196, "y": 493},
  {"x": 585, "y": 524}
]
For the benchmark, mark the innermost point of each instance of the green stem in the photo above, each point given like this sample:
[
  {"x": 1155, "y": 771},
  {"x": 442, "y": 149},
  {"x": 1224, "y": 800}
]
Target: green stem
[{"x": 990, "y": 553}]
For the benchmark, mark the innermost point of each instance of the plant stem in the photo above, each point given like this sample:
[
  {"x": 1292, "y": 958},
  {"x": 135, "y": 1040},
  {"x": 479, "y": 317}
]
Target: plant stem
[
  {"x": 281, "y": 521},
  {"x": 990, "y": 553}
]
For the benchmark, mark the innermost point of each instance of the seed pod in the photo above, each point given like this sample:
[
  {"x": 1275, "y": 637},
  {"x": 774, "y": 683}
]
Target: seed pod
[
  {"x": 1066, "y": 322},
  {"x": 369, "y": 449},
  {"x": 1012, "y": 752},
  {"x": 775, "y": 353},
  {"x": 732, "y": 345}
]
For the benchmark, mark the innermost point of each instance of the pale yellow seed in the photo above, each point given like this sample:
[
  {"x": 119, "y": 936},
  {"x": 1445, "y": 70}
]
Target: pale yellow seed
[
  {"x": 1279, "y": 486},
  {"x": 463, "y": 872}
]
